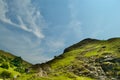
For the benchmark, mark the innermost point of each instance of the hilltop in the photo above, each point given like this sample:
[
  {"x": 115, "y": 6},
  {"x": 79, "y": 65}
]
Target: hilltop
[{"x": 89, "y": 59}]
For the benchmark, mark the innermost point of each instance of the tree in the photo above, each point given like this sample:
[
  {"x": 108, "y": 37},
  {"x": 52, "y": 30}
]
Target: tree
[{"x": 17, "y": 61}]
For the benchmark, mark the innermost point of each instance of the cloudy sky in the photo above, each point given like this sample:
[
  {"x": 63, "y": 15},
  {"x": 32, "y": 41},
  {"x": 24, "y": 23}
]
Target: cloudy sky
[{"x": 38, "y": 30}]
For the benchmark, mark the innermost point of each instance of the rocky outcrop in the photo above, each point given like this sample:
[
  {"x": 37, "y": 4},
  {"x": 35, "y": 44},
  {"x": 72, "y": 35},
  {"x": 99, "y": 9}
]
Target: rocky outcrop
[
  {"x": 95, "y": 59},
  {"x": 41, "y": 70},
  {"x": 106, "y": 67}
]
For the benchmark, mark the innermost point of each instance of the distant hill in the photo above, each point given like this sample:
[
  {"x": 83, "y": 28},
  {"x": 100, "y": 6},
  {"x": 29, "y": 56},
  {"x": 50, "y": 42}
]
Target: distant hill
[
  {"x": 7, "y": 54},
  {"x": 10, "y": 55}
]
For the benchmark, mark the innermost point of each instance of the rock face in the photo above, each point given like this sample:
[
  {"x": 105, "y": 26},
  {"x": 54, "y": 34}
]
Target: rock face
[
  {"x": 106, "y": 67},
  {"x": 41, "y": 70},
  {"x": 96, "y": 59}
]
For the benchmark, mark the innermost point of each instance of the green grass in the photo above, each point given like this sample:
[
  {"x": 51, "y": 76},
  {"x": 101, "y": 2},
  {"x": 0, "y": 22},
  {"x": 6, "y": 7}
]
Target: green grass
[
  {"x": 7, "y": 54},
  {"x": 66, "y": 60},
  {"x": 28, "y": 77},
  {"x": 13, "y": 73},
  {"x": 58, "y": 64},
  {"x": 70, "y": 56},
  {"x": 91, "y": 53},
  {"x": 65, "y": 76},
  {"x": 5, "y": 64}
]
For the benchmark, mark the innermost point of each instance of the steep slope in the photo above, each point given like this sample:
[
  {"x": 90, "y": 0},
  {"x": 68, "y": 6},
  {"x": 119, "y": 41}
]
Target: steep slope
[{"x": 89, "y": 59}]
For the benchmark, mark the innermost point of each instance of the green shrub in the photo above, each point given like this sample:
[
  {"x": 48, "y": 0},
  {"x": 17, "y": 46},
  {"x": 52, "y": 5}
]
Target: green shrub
[
  {"x": 5, "y": 74},
  {"x": 20, "y": 69},
  {"x": 17, "y": 61},
  {"x": 5, "y": 65},
  {"x": 1, "y": 59}
]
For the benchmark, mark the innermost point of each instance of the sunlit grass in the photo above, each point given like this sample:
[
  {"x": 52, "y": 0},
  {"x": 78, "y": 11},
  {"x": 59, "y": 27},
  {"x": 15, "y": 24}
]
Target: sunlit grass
[
  {"x": 59, "y": 64},
  {"x": 66, "y": 60}
]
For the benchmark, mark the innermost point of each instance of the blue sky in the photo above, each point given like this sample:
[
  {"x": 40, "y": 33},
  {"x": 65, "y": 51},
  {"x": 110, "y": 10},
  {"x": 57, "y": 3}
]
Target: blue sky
[{"x": 38, "y": 30}]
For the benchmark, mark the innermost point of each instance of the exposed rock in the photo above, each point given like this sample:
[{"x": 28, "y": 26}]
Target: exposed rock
[{"x": 95, "y": 59}]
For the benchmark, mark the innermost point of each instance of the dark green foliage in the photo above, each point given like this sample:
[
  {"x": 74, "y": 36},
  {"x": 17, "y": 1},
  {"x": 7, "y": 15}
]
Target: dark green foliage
[
  {"x": 1, "y": 59},
  {"x": 17, "y": 61},
  {"x": 5, "y": 74},
  {"x": 20, "y": 69},
  {"x": 91, "y": 58},
  {"x": 11, "y": 66},
  {"x": 5, "y": 65},
  {"x": 55, "y": 56},
  {"x": 4, "y": 58}
]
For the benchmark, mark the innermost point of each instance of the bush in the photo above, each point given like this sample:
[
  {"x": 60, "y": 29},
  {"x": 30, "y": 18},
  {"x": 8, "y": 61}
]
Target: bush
[
  {"x": 20, "y": 69},
  {"x": 17, "y": 61},
  {"x": 1, "y": 59},
  {"x": 5, "y": 74},
  {"x": 5, "y": 65}
]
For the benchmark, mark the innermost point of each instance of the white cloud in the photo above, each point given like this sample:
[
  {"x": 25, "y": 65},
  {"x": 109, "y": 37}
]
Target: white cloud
[
  {"x": 25, "y": 13},
  {"x": 75, "y": 24},
  {"x": 3, "y": 9},
  {"x": 22, "y": 46},
  {"x": 73, "y": 9},
  {"x": 20, "y": 41}
]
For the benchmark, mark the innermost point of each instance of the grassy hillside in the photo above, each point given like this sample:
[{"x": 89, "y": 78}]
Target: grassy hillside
[
  {"x": 11, "y": 66},
  {"x": 89, "y": 59}
]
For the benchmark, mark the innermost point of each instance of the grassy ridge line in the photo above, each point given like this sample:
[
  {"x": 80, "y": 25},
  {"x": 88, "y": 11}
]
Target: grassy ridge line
[{"x": 10, "y": 55}]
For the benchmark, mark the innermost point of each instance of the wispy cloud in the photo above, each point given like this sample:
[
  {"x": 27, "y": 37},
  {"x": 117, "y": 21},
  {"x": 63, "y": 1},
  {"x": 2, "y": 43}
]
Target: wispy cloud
[
  {"x": 25, "y": 19},
  {"x": 3, "y": 10},
  {"x": 21, "y": 19},
  {"x": 25, "y": 15},
  {"x": 75, "y": 23},
  {"x": 22, "y": 31}
]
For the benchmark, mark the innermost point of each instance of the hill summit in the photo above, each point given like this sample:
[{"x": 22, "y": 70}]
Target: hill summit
[{"x": 89, "y": 59}]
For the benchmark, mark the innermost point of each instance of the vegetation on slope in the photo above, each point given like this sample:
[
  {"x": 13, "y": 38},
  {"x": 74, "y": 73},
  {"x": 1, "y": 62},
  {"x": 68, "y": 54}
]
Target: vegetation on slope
[
  {"x": 11, "y": 66},
  {"x": 89, "y": 59}
]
